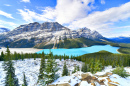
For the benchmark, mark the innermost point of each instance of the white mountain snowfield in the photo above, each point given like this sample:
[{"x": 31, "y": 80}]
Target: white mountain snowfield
[
  {"x": 31, "y": 69},
  {"x": 20, "y": 50}
]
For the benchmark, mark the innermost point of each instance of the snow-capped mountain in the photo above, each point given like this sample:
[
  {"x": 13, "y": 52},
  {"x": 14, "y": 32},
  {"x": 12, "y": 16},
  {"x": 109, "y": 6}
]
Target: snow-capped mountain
[
  {"x": 2, "y": 30},
  {"x": 121, "y": 39},
  {"x": 47, "y": 32}
]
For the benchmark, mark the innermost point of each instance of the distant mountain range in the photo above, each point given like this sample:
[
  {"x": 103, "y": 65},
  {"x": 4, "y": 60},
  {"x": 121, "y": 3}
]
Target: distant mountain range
[
  {"x": 2, "y": 30},
  {"x": 49, "y": 35},
  {"x": 121, "y": 39}
]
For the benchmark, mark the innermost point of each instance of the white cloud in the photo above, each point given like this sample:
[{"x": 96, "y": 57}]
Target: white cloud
[
  {"x": 25, "y": 1},
  {"x": 31, "y": 16},
  {"x": 102, "y": 1},
  {"x": 2, "y": 25},
  {"x": 119, "y": 31},
  {"x": 7, "y": 5},
  {"x": 102, "y": 21},
  {"x": 6, "y": 14},
  {"x": 65, "y": 11},
  {"x": 75, "y": 14},
  {"x": 70, "y": 10},
  {"x": 9, "y": 25}
]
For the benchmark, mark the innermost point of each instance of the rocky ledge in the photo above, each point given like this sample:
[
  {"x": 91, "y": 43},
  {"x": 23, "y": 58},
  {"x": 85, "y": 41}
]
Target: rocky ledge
[{"x": 89, "y": 79}]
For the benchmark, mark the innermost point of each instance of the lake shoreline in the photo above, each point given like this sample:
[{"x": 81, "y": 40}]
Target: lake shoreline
[{"x": 119, "y": 51}]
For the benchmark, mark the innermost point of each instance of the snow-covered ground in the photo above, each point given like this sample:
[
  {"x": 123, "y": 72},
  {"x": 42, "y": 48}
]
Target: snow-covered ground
[
  {"x": 108, "y": 80},
  {"x": 21, "y": 50},
  {"x": 31, "y": 69}
]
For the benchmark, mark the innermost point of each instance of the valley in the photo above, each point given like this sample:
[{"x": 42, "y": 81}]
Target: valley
[
  {"x": 52, "y": 35},
  {"x": 65, "y": 43},
  {"x": 71, "y": 57}
]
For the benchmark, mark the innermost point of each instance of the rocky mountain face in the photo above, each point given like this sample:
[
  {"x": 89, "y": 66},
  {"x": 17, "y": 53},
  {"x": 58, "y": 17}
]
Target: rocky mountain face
[
  {"x": 2, "y": 30},
  {"x": 47, "y": 33}
]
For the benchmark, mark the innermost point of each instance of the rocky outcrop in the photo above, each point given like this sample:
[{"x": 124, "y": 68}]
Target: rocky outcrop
[
  {"x": 103, "y": 79},
  {"x": 88, "y": 79}
]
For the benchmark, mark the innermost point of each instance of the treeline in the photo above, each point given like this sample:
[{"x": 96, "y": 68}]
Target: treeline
[
  {"x": 17, "y": 56},
  {"x": 104, "y": 58}
]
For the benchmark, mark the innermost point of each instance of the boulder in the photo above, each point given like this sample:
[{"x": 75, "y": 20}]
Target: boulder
[
  {"x": 64, "y": 84},
  {"x": 85, "y": 75},
  {"x": 101, "y": 81},
  {"x": 111, "y": 84},
  {"x": 105, "y": 75},
  {"x": 94, "y": 78},
  {"x": 108, "y": 79},
  {"x": 93, "y": 84},
  {"x": 51, "y": 85},
  {"x": 108, "y": 73}
]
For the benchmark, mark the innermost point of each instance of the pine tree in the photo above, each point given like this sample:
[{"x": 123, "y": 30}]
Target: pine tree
[
  {"x": 24, "y": 80},
  {"x": 97, "y": 66},
  {"x": 8, "y": 53},
  {"x": 59, "y": 38},
  {"x": 91, "y": 65},
  {"x": 2, "y": 56},
  {"x": 84, "y": 68},
  {"x": 42, "y": 66},
  {"x": 65, "y": 70},
  {"x": 10, "y": 79},
  {"x": 50, "y": 71},
  {"x": 113, "y": 65},
  {"x": 78, "y": 69}
]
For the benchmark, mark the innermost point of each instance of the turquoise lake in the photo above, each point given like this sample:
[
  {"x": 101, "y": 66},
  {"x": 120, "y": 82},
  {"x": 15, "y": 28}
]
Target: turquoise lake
[{"x": 81, "y": 51}]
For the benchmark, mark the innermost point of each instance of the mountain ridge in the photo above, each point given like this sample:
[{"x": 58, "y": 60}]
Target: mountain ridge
[
  {"x": 121, "y": 39},
  {"x": 47, "y": 33}
]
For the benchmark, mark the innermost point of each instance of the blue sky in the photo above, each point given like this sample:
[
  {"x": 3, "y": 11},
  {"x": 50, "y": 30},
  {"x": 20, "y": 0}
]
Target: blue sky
[{"x": 109, "y": 17}]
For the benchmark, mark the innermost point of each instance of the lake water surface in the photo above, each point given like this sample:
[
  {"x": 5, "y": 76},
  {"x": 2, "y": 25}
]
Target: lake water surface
[{"x": 81, "y": 51}]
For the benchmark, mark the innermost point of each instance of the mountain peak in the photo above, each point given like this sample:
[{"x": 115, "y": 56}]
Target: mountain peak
[
  {"x": 53, "y": 26},
  {"x": 84, "y": 28}
]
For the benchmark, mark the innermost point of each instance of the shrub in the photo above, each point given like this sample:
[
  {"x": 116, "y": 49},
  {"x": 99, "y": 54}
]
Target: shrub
[{"x": 120, "y": 71}]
